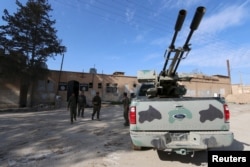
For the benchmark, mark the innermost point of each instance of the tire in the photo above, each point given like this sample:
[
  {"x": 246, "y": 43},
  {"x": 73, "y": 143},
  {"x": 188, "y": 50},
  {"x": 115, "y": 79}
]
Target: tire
[{"x": 162, "y": 155}]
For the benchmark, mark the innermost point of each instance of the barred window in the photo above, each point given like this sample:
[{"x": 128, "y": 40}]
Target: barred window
[
  {"x": 99, "y": 85},
  {"x": 90, "y": 85},
  {"x": 111, "y": 88}
]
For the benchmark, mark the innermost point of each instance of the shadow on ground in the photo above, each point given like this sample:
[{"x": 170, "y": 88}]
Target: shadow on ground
[
  {"x": 46, "y": 138},
  {"x": 199, "y": 157},
  {"x": 30, "y": 138}
]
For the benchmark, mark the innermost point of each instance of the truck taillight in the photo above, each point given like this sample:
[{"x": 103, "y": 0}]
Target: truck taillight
[
  {"x": 226, "y": 112},
  {"x": 132, "y": 115}
]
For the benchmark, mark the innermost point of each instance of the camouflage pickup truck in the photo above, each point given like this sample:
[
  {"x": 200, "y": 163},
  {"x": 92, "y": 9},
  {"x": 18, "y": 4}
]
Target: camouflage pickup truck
[
  {"x": 162, "y": 117},
  {"x": 181, "y": 125}
]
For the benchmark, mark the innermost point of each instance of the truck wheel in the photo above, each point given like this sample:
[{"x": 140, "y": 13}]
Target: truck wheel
[{"x": 162, "y": 155}]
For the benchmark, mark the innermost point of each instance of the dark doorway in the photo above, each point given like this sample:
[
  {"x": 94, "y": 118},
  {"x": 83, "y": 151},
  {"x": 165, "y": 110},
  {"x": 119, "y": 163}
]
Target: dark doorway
[{"x": 73, "y": 86}]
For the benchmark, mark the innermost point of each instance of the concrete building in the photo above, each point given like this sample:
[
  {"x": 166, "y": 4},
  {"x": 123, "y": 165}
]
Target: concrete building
[
  {"x": 240, "y": 89},
  {"x": 208, "y": 86},
  {"x": 110, "y": 87},
  {"x": 59, "y": 85},
  {"x": 240, "y": 94}
]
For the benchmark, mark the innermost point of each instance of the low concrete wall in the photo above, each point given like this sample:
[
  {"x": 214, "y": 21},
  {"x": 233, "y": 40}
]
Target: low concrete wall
[{"x": 238, "y": 98}]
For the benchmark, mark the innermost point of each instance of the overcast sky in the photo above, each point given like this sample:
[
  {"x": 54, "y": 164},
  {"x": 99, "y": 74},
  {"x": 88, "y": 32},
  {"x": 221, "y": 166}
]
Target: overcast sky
[{"x": 132, "y": 35}]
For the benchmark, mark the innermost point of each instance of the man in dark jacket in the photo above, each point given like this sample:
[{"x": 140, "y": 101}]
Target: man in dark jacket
[
  {"x": 125, "y": 108},
  {"x": 96, "y": 101},
  {"x": 81, "y": 103},
  {"x": 72, "y": 104}
]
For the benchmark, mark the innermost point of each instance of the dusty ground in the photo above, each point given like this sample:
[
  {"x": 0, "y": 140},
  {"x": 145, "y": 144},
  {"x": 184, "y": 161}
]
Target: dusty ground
[{"x": 46, "y": 138}]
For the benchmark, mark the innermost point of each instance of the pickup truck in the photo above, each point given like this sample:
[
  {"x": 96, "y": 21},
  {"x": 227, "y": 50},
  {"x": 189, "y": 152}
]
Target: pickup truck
[
  {"x": 181, "y": 125},
  {"x": 162, "y": 117}
]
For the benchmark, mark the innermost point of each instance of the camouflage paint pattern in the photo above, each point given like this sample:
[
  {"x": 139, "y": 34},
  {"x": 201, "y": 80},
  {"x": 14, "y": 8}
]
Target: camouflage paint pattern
[
  {"x": 210, "y": 114},
  {"x": 149, "y": 115},
  {"x": 187, "y": 123},
  {"x": 180, "y": 114}
]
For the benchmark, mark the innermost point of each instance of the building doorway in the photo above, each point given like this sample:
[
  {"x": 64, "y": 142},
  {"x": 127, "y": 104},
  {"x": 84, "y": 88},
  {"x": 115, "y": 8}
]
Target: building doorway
[{"x": 73, "y": 87}]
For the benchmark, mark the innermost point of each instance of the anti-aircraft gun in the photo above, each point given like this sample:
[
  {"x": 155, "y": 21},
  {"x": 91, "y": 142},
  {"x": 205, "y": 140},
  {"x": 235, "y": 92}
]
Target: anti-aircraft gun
[
  {"x": 160, "y": 118},
  {"x": 166, "y": 84}
]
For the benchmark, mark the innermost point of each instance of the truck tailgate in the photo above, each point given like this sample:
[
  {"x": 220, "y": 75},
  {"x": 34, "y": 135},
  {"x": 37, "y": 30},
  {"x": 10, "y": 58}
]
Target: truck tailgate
[{"x": 185, "y": 114}]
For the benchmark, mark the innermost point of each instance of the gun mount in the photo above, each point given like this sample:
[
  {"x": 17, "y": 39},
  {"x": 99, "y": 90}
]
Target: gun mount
[{"x": 166, "y": 83}]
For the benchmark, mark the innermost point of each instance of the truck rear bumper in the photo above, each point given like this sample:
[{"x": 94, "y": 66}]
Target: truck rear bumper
[{"x": 198, "y": 140}]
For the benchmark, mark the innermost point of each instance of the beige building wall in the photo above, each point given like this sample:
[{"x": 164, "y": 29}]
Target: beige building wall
[
  {"x": 240, "y": 94},
  {"x": 111, "y": 87},
  {"x": 208, "y": 86},
  {"x": 240, "y": 89}
]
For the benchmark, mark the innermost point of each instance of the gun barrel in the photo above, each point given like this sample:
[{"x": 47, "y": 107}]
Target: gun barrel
[
  {"x": 180, "y": 20},
  {"x": 178, "y": 25},
  {"x": 197, "y": 17},
  {"x": 200, "y": 11},
  {"x": 194, "y": 25}
]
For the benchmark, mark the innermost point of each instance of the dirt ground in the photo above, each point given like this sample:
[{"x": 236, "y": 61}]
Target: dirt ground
[{"x": 46, "y": 138}]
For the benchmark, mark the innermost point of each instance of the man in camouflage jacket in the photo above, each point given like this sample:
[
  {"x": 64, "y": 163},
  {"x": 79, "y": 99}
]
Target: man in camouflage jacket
[
  {"x": 96, "y": 101},
  {"x": 81, "y": 104},
  {"x": 72, "y": 104}
]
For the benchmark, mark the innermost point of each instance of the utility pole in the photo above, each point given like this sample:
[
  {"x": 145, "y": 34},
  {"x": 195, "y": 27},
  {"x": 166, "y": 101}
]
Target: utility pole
[
  {"x": 241, "y": 82},
  {"x": 229, "y": 75},
  {"x": 58, "y": 98},
  {"x": 228, "y": 70},
  {"x": 60, "y": 73},
  {"x": 102, "y": 85}
]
